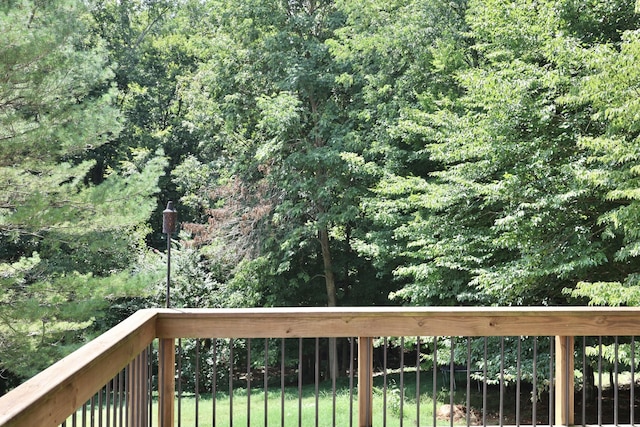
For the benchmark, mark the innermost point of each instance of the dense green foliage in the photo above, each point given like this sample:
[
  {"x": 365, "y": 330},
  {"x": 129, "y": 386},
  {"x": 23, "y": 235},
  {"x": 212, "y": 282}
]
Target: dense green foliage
[
  {"x": 320, "y": 152},
  {"x": 69, "y": 243}
]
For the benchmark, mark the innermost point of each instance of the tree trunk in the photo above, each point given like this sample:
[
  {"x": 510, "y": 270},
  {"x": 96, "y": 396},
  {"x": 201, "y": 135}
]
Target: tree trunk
[
  {"x": 332, "y": 300},
  {"x": 329, "y": 277}
]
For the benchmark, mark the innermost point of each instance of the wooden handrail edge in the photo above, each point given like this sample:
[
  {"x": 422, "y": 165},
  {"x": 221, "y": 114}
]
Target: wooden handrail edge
[
  {"x": 397, "y": 321},
  {"x": 83, "y": 372}
]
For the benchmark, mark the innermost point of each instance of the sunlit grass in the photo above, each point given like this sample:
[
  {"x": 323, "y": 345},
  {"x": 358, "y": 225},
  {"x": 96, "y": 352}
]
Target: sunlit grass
[{"x": 287, "y": 409}]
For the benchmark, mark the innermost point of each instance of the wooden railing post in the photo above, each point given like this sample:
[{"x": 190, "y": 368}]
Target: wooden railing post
[
  {"x": 166, "y": 382},
  {"x": 365, "y": 381},
  {"x": 564, "y": 379}
]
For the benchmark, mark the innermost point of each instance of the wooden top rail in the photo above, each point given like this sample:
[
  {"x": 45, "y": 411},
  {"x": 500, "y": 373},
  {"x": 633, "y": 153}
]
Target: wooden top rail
[
  {"x": 397, "y": 321},
  {"x": 51, "y": 396}
]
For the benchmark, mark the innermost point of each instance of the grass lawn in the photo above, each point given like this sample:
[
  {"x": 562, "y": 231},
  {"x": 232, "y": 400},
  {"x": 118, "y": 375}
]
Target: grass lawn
[{"x": 305, "y": 409}]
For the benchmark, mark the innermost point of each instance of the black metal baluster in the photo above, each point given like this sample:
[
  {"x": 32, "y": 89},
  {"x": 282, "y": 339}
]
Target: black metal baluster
[
  {"x": 484, "y": 385},
  {"x": 502, "y": 391},
  {"x": 100, "y": 405},
  {"x": 282, "y": 381},
  {"x": 248, "y": 382},
  {"x": 600, "y": 381},
  {"x": 534, "y": 407},
  {"x": 333, "y": 387},
  {"x": 231, "y": 363},
  {"x": 632, "y": 396},
  {"x": 122, "y": 401},
  {"x": 266, "y": 381},
  {"x": 401, "y": 380},
  {"x": 127, "y": 395},
  {"x": 317, "y": 378},
  {"x": 552, "y": 388},
  {"x": 108, "y": 404},
  {"x": 384, "y": 382},
  {"x": 197, "y": 383},
  {"x": 616, "y": 401},
  {"x": 418, "y": 381},
  {"x": 452, "y": 379},
  {"x": 300, "y": 383},
  {"x": 518, "y": 382},
  {"x": 469, "y": 367},
  {"x": 214, "y": 380},
  {"x": 434, "y": 385},
  {"x": 179, "y": 380},
  {"x": 351, "y": 375},
  {"x": 584, "y": 382},
  {"x": 93, "y": 411}
]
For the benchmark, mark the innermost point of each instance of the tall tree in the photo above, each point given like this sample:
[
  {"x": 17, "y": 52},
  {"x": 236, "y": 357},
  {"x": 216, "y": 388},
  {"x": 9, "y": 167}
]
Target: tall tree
[
  {"x": 400, "y": 59},
  {"x": 507, "y": 219},
  {"x": 276, "y": 116},
  {"x": 66, "y": 245}
]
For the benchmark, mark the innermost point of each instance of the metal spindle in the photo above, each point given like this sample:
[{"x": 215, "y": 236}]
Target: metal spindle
[
  {"x": 100, "y": 405},
  {"x": 452, "y": 379},
  {"x": 248, "y": 382},
  {"x": 615, "y": 382},
  {"x": 584, "y": 380},
  {"x": 266, "y": 381},
  {"x": 282, "y": 381},
  {"x": 317, "y": 379},
  {"x": 401, "y": 380},
  {"x": 384, "y": 382},
  {"x": 333, "y": 387},
  {"x": 114, "y": 406},
  {"x": 418, "y": 381},
  {"x": 197, "y": 383},
  {"x": 179, "y": 380},
  {"x": 434, "y": 385},
  {"x": 632, "y": 396},
  {"x": 600, "y": 380},
  {"x": 108, "y": 403},
  {"x": 552, "y": 398},
  {"x": 231, "y": 382},
  {"x": 214, "y": 380},
  {"x": 127, "y": 395},
  {"x": 150, "y": 382},
  {"x": 468, "y": 403},
  {"x": 518, "y": 382},
  {"x": 484, "y": 385},
  {"x": 300, "y": 383},
  {"x": 93, "y": 411},
  {"x": 534, "y": 415},
  {"x": 122, "y": 403},
  {"x": 501, "y": 411},
  {"x": 351, "y": 359}
]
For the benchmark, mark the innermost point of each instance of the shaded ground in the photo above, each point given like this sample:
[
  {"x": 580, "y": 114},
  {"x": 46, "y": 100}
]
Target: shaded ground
[{"x": 605, "y": 412}]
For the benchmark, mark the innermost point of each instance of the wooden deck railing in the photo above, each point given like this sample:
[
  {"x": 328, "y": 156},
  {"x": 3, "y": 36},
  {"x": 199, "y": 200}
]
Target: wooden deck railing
[{"x": 51, "y": 397}]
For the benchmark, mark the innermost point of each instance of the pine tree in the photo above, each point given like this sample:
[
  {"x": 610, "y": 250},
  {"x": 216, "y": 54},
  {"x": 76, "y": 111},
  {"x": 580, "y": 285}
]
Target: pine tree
[{"x": 66, "y": 244}]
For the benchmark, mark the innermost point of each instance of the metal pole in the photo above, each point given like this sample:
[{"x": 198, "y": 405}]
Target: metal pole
[
  {"x": 169, "y": 219},
  {"x": 167, "y": 304}
]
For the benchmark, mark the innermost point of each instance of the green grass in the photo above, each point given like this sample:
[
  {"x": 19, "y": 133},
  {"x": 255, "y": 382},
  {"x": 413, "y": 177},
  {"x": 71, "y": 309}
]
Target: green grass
[
  {"x": 292, "y": 407},
  {"x": 306, "y": 407},
  {"x": 237, "y": 407}
]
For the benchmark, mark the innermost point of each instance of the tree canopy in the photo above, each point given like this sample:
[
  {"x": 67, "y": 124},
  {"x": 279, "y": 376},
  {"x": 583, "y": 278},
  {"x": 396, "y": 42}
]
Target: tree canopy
[{"x": 320, "y": 152}]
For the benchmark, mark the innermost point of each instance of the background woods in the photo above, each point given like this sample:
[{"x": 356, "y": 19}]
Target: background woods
[{"x": 360, "y": 152}]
